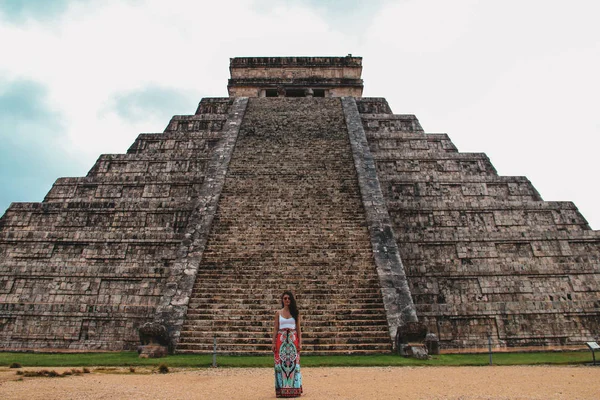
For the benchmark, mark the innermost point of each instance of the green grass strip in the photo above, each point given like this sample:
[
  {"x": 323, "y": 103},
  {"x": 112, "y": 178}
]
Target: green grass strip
[{"x": 123, "y": 359}]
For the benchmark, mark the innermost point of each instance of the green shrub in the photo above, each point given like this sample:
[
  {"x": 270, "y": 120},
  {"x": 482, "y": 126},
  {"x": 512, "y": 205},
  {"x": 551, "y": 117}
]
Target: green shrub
[{"x": 15, "y": 365}]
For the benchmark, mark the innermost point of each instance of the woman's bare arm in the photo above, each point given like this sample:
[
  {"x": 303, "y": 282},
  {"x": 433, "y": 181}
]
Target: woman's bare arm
[
  {"x": 299, "y": 331},
  {"x": 275, "y": 330}
]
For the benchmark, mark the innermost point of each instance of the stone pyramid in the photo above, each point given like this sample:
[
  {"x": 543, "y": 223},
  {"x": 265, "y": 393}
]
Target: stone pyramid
[{"x": 296, "y": 182}]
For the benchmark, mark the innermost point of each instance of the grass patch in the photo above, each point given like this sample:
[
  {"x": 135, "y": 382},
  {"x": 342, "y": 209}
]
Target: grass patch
[{"x": 131, "y": 359}]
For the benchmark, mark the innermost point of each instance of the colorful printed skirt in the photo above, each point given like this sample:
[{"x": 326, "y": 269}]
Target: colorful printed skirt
[{"x": 288, "y": 379}]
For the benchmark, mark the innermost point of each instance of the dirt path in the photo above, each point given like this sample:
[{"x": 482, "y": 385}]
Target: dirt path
[{"x": 319, "y": 383}]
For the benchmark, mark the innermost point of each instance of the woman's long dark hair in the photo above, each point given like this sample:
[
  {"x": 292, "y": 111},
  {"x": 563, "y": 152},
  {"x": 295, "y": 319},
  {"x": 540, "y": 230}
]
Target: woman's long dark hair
[{"x": 293, "y": 307}]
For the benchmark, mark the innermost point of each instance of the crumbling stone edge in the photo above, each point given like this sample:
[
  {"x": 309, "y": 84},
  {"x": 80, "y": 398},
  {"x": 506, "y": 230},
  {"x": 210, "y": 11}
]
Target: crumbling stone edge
[
  {"x": 172, "y": 309},
  {"x": 397, "y": 299}
]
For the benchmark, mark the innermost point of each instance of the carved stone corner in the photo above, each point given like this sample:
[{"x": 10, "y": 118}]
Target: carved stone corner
[
  {"x": 414, "y": 350},
  {"x": 411, "y": 340},
  {"x": 155, "y": 342}
]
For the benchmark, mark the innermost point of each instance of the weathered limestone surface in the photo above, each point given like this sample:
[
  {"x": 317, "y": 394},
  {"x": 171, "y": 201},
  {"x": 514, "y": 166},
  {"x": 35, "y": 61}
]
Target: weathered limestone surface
[
  {"x": 86, "y": 267},
  {"x": 290, "y": 217},
  {"x": 370, "y": 221},
  {"x": 173, "y": 306},
  {"x": 397, "y": 299},
  {"x": 483, "y": 253},
  {"x": 337, "y": 76}
]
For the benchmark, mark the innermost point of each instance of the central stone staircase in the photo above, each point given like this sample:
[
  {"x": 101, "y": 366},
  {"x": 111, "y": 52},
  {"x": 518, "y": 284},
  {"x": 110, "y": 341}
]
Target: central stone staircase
[{"x": 291, "y": 217}]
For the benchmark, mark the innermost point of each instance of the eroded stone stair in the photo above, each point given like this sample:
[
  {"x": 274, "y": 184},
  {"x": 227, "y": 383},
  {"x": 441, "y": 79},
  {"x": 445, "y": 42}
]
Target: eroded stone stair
[{"x": 290, "y": 217}]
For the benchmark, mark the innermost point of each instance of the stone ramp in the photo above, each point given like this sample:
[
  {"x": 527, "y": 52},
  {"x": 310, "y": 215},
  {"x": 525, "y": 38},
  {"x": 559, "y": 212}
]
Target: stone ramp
[
  {"x": 483, "y": 253},
  {"x": 290, "y": 217}
]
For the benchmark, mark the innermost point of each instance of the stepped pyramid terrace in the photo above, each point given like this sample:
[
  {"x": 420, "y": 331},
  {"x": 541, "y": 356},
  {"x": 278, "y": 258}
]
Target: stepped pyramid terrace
[{"x": 295, "y": 181}]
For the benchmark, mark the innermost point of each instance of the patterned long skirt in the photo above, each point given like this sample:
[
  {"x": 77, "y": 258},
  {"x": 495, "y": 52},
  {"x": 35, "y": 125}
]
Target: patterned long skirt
[{"x": 288, "y": 378}]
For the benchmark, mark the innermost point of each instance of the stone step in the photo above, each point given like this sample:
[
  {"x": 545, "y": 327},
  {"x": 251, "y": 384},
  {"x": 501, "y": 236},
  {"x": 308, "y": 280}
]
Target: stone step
[
  {"x": 197, "y": 123},
  {"x": 260, "y": 320},
  {"x": 247, "y": 281},
  {"x": 423, "y": 189},
  {"x": 317, "y": 302},
  {"x": 265, "y": 324},
  {"x": 414, "y": 145},
  {"x": 241, "y": 311},
  {"x": 378, "y": 107},
  {"x": 184, "y": 163},
  {"x": 478, "y": 204},
  {"x": 172, "y": 144},
  {"x": 148, "y": 222},
  {"x": 244, "y": 321},
  {"x": 214, "y": 105},
  {"x": 375, "y": 133},
  {"x": 180, "y": 136},
  {"x": 311, "y": 353},
  {"x": 271, "y": 289},
  {"x": 312, "y": 306},
  {"x": 236, "y": 311},
  {"x": 305, "y": 289},
  {"x": 523, "y": 267},
  {"x": 415, "y": 156},
  {"x": 241, "y": 281},
  {"x": 320, "y": 296},
  {"x": 25, "y": 210},
  {"x": 88, "y": 272},
  {"x": 208, "y": 278},
  {"x": 256, "y": 263},
  {"x": 440, "y": 180},
  {"x": 307, "y": 301},
  {"x": 406, "y": 136},
  {"x": 458, "y": 235},
  {"x": 23, "y": 237},
  {"x": 560, "y": 303},
  {"x": 144, "y": 195},
  {"x": 267, "y": 340},
  {"x": 309, "y": 349},
  {"x": 314, "y": 333}
]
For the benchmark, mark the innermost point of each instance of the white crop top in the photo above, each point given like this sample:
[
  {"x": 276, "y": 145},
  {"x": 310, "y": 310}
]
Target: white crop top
[{"x": 287, "y": 323}]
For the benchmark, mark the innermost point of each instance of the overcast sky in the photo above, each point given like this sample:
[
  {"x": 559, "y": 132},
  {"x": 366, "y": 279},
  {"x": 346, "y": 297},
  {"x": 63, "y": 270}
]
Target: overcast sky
[{"x": 517, "y": 80}]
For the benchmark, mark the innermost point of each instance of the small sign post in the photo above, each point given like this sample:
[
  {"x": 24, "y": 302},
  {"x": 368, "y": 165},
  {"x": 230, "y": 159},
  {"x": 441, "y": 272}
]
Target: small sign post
[
  {"x": 490, "y": 347},
  {"x": 214, "y": 360},
  {"x": 593, "y": 347}
]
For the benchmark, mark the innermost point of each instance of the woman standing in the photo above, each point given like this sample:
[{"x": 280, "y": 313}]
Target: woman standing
[{"x": 287, "y": 343}]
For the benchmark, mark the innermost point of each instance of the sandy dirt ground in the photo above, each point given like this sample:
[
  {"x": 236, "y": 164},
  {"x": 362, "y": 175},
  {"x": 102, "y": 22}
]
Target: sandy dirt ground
[{"x": 528, "y": 382}]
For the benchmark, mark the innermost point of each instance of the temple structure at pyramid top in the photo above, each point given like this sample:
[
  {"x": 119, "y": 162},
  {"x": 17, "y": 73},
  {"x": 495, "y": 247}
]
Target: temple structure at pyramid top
[{"x": 295, "y": 76}]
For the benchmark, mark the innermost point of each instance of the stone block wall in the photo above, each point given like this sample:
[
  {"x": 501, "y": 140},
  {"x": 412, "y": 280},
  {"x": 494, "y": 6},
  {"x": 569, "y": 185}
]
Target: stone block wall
[
  {"x": 88, "y": 265},
  {"x": 483, "y": 253}
]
